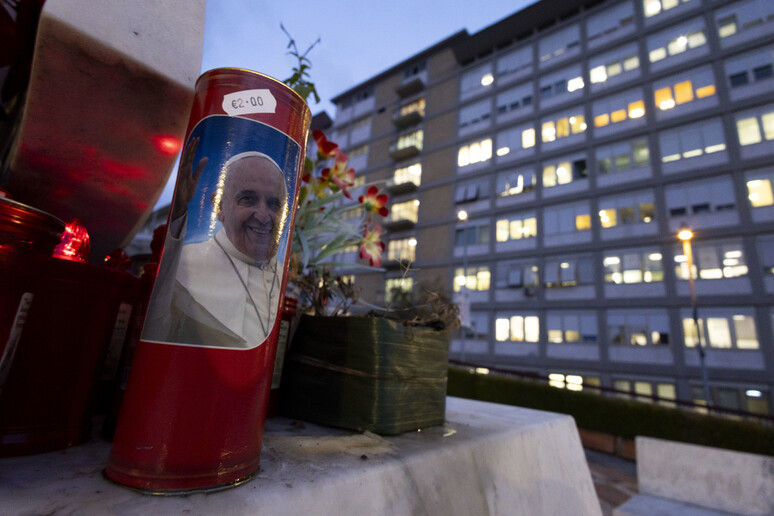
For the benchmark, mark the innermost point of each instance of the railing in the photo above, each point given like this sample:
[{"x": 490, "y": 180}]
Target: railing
[{"x": 766, "y": 419}]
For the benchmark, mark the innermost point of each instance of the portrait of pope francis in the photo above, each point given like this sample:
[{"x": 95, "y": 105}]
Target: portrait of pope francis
[{"x": 223, "y": 291}]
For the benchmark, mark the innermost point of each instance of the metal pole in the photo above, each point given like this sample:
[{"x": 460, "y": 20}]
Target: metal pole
[
  {"x": 688, "y": 251},
  {"x": 465, "y": 285}
]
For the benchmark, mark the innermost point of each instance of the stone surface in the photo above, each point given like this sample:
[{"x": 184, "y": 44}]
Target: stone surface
[
  {"x": 717, "y": 479},
  {"x": 106, "y": 111},
  {"x": 487, "y": 459},
  {"x": 648, "y": 505}
]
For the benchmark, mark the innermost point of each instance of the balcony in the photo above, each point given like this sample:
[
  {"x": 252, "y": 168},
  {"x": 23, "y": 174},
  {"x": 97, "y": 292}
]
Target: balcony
[
  {"x": 400, "y": 188},
  {"x": 410, "y": 87},
  {"x": 400, "y": 152},
  {"x": 402, "y": 119}
]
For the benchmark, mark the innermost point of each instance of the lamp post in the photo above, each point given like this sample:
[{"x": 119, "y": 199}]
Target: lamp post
[
  {"x": 462, "y": 216},
  {"x": 685, "y": 235}
]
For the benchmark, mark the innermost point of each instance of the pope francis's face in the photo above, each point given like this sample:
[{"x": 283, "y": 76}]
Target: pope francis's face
[{"x": 252, "y": 208}]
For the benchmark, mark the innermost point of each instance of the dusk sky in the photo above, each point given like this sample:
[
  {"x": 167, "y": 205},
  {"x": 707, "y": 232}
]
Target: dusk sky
[{"x": 357, "y": 40}]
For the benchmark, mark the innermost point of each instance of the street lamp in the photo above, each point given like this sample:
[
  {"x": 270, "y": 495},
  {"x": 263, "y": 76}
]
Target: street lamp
[
  {"x": 462, "y": 216},
  {"x": 685, "y": 235}
]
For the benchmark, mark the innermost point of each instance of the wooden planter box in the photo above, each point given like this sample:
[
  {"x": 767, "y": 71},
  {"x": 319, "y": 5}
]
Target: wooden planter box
[{"x": 366, "y": 373}]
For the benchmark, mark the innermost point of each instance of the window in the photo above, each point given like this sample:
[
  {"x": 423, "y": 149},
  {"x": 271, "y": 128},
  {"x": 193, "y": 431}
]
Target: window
[
  {"x": 654, "y": 7},
  {"x": 676, "y": 40},
  {"x": 360, "y": 150},
  {"x": 405, "y": 211},
  {"x": 515, "y": 99},
  {"x": 515, "y": 182},
  {"x": 468, "y": 192},
  {"x": 751, "y": 67},
  {"x": 564, "y": 171},
  {"x": 723, "y": 329},
  {"x": 766, "y": 255},
  {"x": 473, "y": 278},
  {"x": 413, "y": 139},
  {"x": 691, "y": 141},
  {"x": 624, "y": 156},
  {"x": 569, "y": 80},
  {"x": 515, "y": 139},
  {"x": 416, "y": 106},
  {"x": 633, "y": 266},
  {"x": 514, "y": 62},
  {"x": 414, "y": 70},
  {"x": 645, "y": 391},
  {"x": 684, "y": 88},
  {"x": 755, "y": 126},
  {"x": 619, "y": 108},
  {"x": 698, "y": 197},
  {"x": 567, "y": 219},
  {"x": 630, "y": 208},
  {"x": 574, "y": 382},
  {"x": 475, "y": 114},
  {"x": 571, "y": 327},
  {"x": 475, "y": 152},
  {"x": 620, "y": 62},
  {"x": 759, "y": 191},
  {"x": 638, "y": 327},
  {"x": 560, "y": 44},
  {"x": 472, "y": 234},
  {"x": 610, "y": 22},
  {"x": 568, "y": 272},
  {"x": 742, "y": 17},
  {"x": 403, "y": 249},
  {"x": 564, "y": 126},
  {"x": 516, "y": 227},
  {"x": 409, "y": 174},
  {"x": 712, "y": 260},
  {"x": 398, "y": 290},
  {"x": 520, "y": 275},
  {"x": 518, "y": 328},
  {"x": 477, "y": 79}
]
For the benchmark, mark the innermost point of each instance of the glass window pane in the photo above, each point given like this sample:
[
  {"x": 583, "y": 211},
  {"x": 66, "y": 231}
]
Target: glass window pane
[{"x": 719, "y": 332}]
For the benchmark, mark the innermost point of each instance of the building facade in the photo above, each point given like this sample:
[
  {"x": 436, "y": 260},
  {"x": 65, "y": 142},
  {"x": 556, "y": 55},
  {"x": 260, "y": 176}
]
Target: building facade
[{"x": 579, "y": 137}]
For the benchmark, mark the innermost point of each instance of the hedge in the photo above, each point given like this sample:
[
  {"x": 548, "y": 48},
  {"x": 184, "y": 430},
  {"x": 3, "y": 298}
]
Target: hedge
[{"x": 618, "y": 417}]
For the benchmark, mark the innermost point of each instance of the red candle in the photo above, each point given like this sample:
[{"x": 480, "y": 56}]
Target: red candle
[{"x": 196, "y": 400}]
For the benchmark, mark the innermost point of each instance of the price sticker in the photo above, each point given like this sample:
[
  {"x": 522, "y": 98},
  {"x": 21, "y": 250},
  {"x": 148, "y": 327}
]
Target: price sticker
[{"x": 248, "y": 102}]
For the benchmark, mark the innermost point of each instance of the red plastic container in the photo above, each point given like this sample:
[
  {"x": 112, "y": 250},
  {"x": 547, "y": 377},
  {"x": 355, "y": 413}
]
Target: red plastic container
[{"x": 195, "y": 405}]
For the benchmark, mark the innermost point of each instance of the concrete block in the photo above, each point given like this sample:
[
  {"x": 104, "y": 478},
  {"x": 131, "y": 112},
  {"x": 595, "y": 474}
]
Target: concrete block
[
  {"x": 724, "y": 480},
  {"x": 648, "y": 505}
]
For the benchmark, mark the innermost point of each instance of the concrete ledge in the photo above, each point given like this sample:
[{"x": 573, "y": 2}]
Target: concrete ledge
[
  {"x": 486, "y": 459},
  {"x": 649, "y": 505},
  {"x": 721, "y": 480}
]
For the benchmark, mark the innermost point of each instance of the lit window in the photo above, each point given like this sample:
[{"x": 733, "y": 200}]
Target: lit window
[
  {"x": 637, "y": 109},
  {"x": 528, "y": 138},
  {"x": 749, "y": 131},
  {"x": 403, "y": 249},
  {"x": 759, "y": 193},
  {"x": 475, "y": 153},
  {"x": 473, "y": 278},
  {"x": 516, "y": 228},
  {"x": 598, "y": 74},
  {"x": 398, "y": 290},
  {"x": 663, "y": 98},
  {"x": 409, "y": 174},
  {"x": 727, "y": 26},
  {"x": 405, "y": 211},
  {"x": 549, "y": 131},
  {"x": 517, "y": 328}
]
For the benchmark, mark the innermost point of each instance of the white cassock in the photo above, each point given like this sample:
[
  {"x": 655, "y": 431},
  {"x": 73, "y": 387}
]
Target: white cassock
[{"x": 211, "y": 294}]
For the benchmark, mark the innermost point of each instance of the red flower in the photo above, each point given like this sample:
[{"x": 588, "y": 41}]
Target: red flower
[
  {"x": 341, "y": 176},
  {"x": 371, "y": 248},
  {"x": 325, "y": 149},
  {"x": 374, "y": 202}
]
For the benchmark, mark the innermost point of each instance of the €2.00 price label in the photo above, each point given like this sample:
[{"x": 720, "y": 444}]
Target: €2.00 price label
[{"x": 248, "y": 102}]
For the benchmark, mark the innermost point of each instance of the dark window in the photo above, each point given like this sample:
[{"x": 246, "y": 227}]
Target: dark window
[
  {"x": 738, "y": 79},
  {"x": 701, "y": 208},
  {"x": 763, "y": 72},
  {"x": 546, "y": 92},
  {"x": 677, "y": 212},
  {"x": 579, "y": 169},
  {"x": 527, "y": 100}
]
